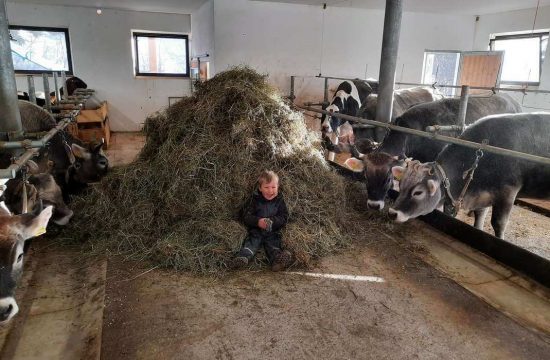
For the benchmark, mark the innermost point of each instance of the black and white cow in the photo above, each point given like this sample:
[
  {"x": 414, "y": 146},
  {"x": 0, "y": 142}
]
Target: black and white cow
[
  {"x": 377, "y": 165},
  {"x": 347, "y": 100},
  {"x": 403, "y": 100},
  {"x": 497, "y": 181},
  {"x": 14, "y": 231}
]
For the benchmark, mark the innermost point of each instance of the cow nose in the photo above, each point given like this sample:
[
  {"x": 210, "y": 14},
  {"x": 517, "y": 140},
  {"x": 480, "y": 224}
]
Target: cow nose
[
  {"x": 5, "y": 312},
  {"x": 375, "y": 205},
  {"x": 393, "y": 214},
  {"x": 103, "y": 162}
]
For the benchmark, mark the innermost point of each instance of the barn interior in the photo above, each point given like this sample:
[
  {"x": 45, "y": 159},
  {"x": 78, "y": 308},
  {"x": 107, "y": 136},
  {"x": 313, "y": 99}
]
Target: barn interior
[{"x": 162, "y": 101}]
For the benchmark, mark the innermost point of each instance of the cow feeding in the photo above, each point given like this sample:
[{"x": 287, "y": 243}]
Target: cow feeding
[{"x": 178, "y": 204}]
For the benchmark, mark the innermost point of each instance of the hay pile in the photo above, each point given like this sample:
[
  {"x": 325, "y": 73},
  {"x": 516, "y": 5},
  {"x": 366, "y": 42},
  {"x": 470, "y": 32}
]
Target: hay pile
[{"x": 179, "y": 203}]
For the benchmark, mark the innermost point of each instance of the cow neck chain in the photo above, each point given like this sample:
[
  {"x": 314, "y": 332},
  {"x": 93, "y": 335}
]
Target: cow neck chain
[{"x": 468, "y": 175}]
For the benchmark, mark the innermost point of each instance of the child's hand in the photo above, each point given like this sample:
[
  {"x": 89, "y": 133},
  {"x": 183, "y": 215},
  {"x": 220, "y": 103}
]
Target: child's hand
[{"x": 262, "y": 224}]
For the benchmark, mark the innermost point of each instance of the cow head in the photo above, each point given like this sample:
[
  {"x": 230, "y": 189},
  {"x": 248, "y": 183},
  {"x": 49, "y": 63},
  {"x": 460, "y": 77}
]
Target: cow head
[
  {"x": 377, "y": 169},
  {"x": 14, "y": 231},
  {"x": 420, "y": 191},
  {"x": 74, "y": 83},
  {"x": 41, "y": 190},
  {"x": 87, "y": 165}
]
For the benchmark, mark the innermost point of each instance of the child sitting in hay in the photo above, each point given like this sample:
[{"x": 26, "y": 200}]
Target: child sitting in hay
[{"x": 265, "y": 216}]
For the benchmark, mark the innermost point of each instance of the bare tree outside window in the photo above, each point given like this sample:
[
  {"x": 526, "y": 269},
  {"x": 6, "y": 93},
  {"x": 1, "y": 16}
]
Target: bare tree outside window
[{"x": 37, "y": 50}]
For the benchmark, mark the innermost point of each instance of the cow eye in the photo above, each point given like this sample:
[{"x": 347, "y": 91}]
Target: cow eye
[
  {"x": 417, "y": 193},
  {"x": 20, "y": 258}
]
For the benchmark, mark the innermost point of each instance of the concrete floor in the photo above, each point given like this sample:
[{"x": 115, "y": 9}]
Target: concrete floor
[
  {"x": 124, "y": 147},
  {"x": 436, "y": 299}
]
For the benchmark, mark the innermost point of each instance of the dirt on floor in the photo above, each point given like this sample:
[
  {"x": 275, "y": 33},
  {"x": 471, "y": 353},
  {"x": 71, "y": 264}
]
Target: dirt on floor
[
  {"x": 526, "y": 229},
  {"x": 415, "y": 313}
]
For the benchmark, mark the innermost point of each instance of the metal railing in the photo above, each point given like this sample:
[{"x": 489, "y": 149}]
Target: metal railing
[
  {"x": 435, "y": 136},
  {"x": 69, "y": 106}
]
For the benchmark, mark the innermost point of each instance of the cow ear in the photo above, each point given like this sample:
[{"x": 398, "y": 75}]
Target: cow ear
[
  {"x": 398, "y": 172},
  {"x": 80, "y": 152},
  {"x": 354, "y": 164},
  {"x": 99, "y": 146},
  {"x": 36, "y": 225},
  {"x": 432, "y": 187}
]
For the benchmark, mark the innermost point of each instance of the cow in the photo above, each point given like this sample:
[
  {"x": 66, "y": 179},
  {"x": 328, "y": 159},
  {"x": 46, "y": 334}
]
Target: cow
[
  {"x": 497, "y": 180},
  {"x": 397, "y": 146},
  {"x": 347, "y": 99},
  {"x": 72, "y": 84},
  {"x": 41, "y": 190},
  {"x": 15, "y": 230},
  {"x": 73, "y": 164},
  {"x": 403, "y": 99}
]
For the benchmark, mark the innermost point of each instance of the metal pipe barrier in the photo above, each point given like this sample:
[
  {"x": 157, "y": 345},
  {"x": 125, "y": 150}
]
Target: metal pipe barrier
[
  {"x": 442, "y": 138},
  {"x": 292, "y": 96},
  {"x": 64, "y": 84},
  {"x": 57, "y": 92},
  {"x": 10, "y": 124},
  {"x": 46, "y": 81},
  {"x": 31, "y": 89},
  {"x": 522, "y": 90},
  {"x": 388, "y": 63}
]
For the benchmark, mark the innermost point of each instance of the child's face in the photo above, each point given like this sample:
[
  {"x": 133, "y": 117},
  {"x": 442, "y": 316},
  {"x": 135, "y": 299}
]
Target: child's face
[{"x": 270, "y": 189}]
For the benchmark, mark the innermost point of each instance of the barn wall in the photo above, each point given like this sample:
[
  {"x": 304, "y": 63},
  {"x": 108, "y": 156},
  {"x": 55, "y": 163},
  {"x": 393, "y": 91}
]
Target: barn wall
[
  {"x": 519, "y": 21},
  {"x": 202, "y": 27},
  {"x": 285, "y": 39},
  {"x": 102, "y": 56}
]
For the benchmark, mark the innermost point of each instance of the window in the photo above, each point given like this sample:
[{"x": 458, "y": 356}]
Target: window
[
  {"x": 441, "y": 67},
  {"x": 161, "y": 54},
  {"x": 523, "y": 56},
  {"x": 37, "y": 50}
]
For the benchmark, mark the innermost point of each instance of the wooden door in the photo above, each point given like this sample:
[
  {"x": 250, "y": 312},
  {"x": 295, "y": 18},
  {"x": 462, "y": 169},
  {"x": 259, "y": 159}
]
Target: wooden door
[{"x": 480, "y": 68}]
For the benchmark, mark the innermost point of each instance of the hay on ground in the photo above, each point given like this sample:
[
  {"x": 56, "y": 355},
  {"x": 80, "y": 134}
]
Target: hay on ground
[{"x": 178, "y": 204}]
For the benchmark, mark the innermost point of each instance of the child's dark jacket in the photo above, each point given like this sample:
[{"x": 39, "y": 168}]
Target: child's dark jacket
[{"x": 259, "y": 207}]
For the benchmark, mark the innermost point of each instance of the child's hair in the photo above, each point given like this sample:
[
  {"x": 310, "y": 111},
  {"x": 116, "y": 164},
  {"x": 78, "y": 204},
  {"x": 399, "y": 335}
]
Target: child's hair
[{"x": 267, "y": 176}]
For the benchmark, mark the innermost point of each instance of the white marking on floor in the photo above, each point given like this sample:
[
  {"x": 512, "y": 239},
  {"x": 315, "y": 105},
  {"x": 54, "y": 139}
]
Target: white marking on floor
[{"x": 340, "y": 276}]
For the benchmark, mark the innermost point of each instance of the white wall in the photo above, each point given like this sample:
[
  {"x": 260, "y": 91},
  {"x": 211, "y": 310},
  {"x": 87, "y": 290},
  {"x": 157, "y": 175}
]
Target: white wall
[
  {"x": 284, "y": 39},
  {"x": 519, "y": 21},
  {"x": 102, "y": 56},
  {"x": 202, "y": 28}
]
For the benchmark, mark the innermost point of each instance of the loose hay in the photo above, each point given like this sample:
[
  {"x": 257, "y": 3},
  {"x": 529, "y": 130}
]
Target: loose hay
[{"x": 178, "y": 204}]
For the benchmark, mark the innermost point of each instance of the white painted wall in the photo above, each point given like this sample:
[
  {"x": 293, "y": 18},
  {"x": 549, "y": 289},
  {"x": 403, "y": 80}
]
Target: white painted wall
[
  {"x": 202, "y": 28},
  {"x": 284, "y": 39},
  {"x": 102, "y": 56},
  {"x": 519, "y": 21}
]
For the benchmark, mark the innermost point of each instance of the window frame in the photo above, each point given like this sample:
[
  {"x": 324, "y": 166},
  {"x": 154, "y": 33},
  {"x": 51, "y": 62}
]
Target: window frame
[
  {"x": 52, "y": 29},
  {"x": 137, "y": 73},
  {"x": 530, "y": 35}
]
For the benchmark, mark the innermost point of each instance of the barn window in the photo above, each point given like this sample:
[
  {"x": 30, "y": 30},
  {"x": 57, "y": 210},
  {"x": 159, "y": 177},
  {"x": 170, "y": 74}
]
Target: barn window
[
  {"x": 157, "y": 54},
  {"x": 523, "y": 56},
  {"x": 441, "y": 67},
  {"x": 37, "y": 50}
]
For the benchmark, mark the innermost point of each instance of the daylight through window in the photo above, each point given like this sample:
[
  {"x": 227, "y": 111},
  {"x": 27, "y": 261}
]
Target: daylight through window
[
  {"x": 36, "y": 50},
  {"x": 523, "y": 56},
  {"x": 161, "y": 54}
]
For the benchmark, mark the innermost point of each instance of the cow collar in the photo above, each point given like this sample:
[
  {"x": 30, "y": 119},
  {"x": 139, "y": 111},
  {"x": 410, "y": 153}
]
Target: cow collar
[{"x": 451, "y": 205}]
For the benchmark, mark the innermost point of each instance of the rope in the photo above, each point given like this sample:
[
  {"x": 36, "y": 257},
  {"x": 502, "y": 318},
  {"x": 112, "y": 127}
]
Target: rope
[
  {"x": 322, "y": 39},
  {"x": 535, "y": 18}
]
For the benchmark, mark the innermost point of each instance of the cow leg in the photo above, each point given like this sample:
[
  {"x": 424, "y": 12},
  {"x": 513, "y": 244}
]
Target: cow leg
[
  {"x": 480, "y": 216},
  {"x": 502, "y": 207}
]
